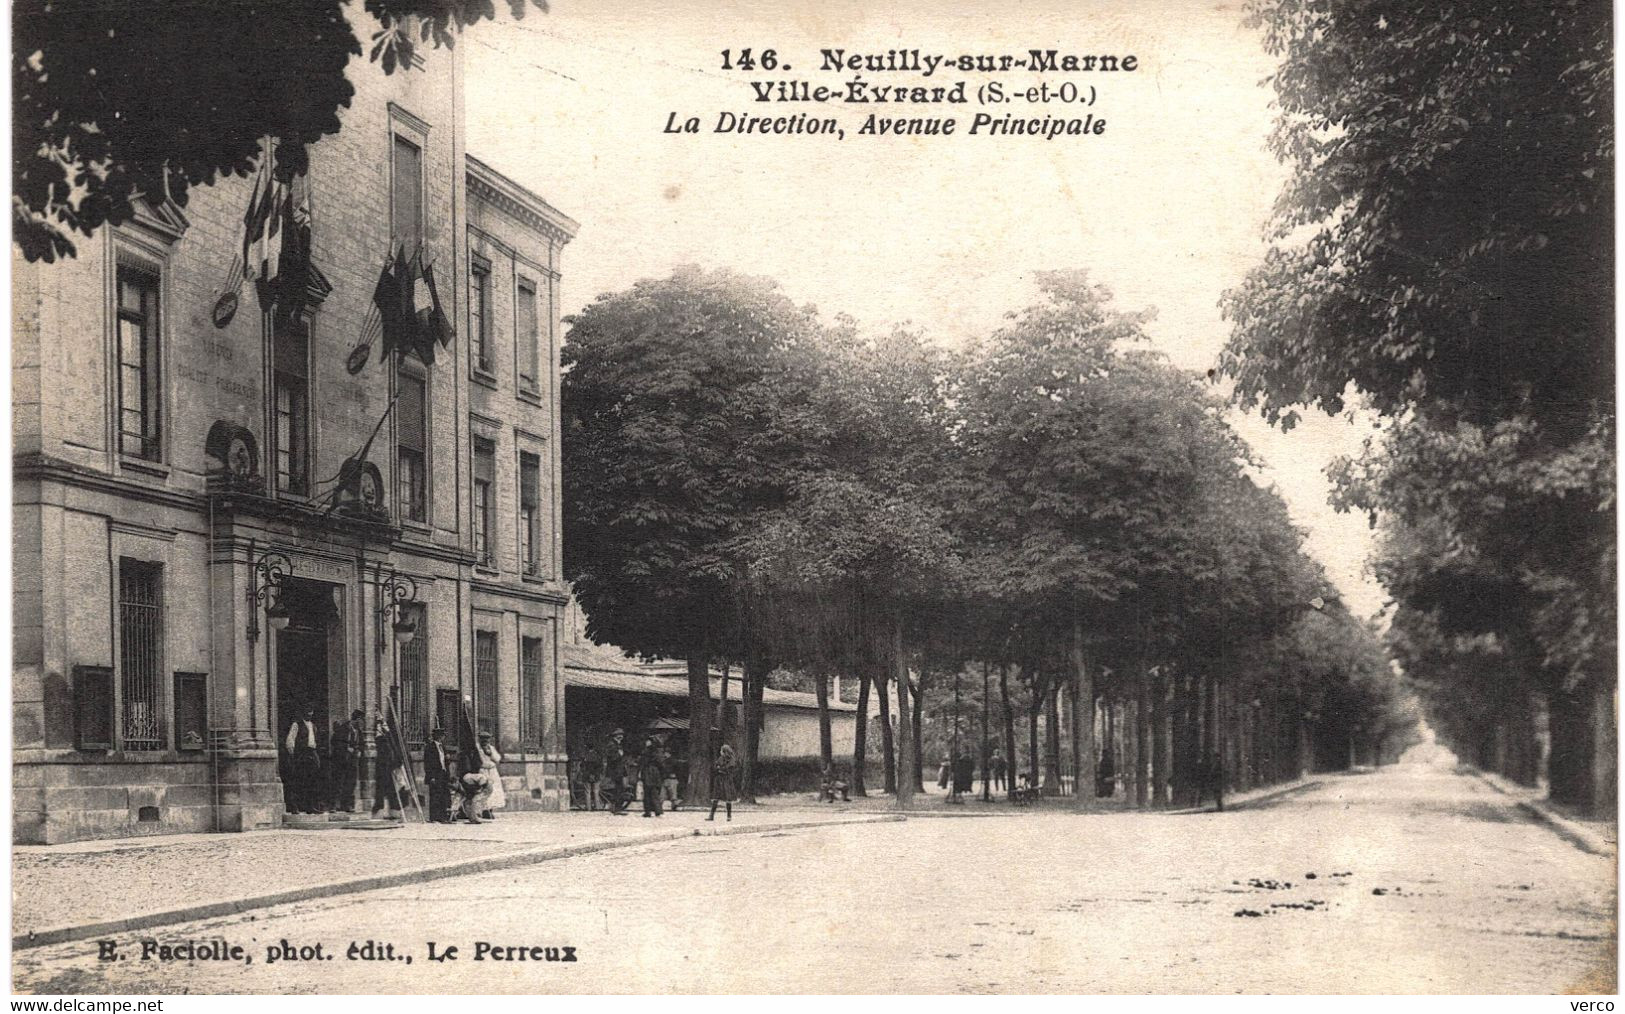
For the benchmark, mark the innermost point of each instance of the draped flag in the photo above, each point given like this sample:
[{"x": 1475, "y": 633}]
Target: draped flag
[
  {"x": 262, "y": 226},
  {"x": 411, "y": 315}
]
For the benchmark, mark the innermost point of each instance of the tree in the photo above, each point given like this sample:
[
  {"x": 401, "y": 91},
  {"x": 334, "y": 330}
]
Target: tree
[
  {"x": 686, "y": 419},
  {"x": 858, "y": 562},
  {"x": 1443, "y": 255},
  {"x": 93, "y": 127}
]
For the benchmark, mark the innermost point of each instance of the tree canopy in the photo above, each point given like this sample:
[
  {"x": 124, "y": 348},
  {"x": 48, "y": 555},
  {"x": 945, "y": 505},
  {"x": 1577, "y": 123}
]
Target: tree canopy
[{"x": 94, "y": 127}]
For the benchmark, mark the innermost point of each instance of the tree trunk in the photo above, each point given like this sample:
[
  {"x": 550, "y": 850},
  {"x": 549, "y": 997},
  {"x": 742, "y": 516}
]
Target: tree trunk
[
  {"x": 826, "y": 740},
  {"x": 699, "y": 726},
  {"x": 723, "y": 722},
  {"x": 1083, "y": 725},
  {"x": 905, "y": 735},
  {"x": 889, "y": 766},
  {"x": 986, "y": 756},
  {"x": 1034, "y": 706},
  {"x": 918, "y": 694},
  {"x": 1009, "y": 730},
  {"x": 755, "y": 676},
  {"x": 860, "y": 740},
  {"x": 1052, "y": 739},
  {"x": 1164, "y": 760},
  {"x": 1142, "y": 736}
]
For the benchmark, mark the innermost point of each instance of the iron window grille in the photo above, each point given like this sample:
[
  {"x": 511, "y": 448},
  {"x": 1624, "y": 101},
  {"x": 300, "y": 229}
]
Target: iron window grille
[
  {"x": 140, "y": 653},
  {"x": 530, "y": 690},
  {"x": 485, "y": 680}
]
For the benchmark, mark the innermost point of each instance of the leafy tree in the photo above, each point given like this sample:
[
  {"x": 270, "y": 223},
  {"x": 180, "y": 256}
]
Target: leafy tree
[
  {"x": 1443, "y": 254},
  {"x": 94, "y": 127},
  {"x": 687, "y": 418},
  {"x": 1446, "y": 231}
]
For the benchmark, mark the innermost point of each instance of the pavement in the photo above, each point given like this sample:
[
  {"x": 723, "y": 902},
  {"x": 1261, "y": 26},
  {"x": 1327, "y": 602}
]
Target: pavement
[
  {"x": 86, "y": 889},
  {"x": 1412, "y": 879},
  {"x": 1597, "y": 835},
  {"x": 82, "y": 890}
]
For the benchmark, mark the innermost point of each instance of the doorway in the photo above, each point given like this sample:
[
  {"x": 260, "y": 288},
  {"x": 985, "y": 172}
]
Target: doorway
[{"x": 309, "y": 662}]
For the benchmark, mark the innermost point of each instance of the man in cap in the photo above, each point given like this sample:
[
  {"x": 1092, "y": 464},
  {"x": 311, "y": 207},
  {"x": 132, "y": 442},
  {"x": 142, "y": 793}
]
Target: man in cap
[
  {"x": 615, "y": 773},
  {"x": 346, "y": 751}
]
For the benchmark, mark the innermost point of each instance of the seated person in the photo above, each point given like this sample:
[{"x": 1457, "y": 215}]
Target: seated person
[{"x": 829, "y": 784}]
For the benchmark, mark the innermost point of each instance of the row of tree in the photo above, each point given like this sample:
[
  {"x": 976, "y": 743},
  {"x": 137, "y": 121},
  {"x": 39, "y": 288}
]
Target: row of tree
[
  {"x": 1055, "y": 504},
  {"x": 1443, "y": 254}
]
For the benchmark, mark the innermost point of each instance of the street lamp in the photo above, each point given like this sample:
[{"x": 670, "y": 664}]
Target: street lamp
[
  {"x": 396, "y": 592},
  {"x": 266, "y": 589}
]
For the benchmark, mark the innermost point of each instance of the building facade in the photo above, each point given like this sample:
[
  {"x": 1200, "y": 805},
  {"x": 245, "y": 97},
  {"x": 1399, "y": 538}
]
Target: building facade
[{"x": 224, "y": 518}]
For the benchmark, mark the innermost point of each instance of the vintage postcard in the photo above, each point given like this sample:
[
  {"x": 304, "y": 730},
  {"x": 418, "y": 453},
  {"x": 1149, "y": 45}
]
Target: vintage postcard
[{"x": 1105, "y": 497}]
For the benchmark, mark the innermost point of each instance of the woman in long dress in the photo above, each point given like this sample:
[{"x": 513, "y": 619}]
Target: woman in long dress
[
  {"x": 492, "y": 797},
  {"x": 724, "y": 781}
]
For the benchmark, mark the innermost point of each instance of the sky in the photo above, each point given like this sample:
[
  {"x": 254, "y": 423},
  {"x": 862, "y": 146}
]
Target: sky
[{"x": 1166, "y": 207}]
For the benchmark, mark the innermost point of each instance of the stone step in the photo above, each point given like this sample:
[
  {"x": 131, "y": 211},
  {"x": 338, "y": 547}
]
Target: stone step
[{"x": 335, "y": 821}]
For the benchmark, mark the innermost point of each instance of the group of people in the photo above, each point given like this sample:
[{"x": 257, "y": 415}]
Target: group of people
[
  {"x": 612, "y": 775},
  {"x": 317, "y": 780},
  {"x": 957, "y": 774},
  {"x": 476, "y": 779}
]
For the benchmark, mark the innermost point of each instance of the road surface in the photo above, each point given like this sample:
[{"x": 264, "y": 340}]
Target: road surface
[{"x": 1411, "y": 879}]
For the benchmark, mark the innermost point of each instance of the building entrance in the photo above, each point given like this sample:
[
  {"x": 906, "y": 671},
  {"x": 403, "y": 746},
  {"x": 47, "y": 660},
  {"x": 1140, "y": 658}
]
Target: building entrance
[{"x": 309, "y": 674}]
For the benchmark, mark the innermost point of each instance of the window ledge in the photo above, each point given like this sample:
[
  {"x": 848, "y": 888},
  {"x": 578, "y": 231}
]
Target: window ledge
[
  {"x": 479, "y": 376},
  {"x": 141, "y": 466},
  {"x": 529, "y": 395},
  {"x": 416, "y": 527},
  {"x": 486, "y": 570}
]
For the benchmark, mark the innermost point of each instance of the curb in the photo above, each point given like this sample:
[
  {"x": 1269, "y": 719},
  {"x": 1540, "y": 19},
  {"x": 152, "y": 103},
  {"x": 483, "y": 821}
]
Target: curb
[
  {"x": 1243, "y": 804},
  {"x": 1582, "y": 838},
  {"x": 399, "y": 878}
]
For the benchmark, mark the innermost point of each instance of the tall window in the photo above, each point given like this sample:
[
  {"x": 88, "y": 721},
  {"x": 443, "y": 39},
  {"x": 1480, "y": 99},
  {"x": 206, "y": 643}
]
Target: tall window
[
  {"x": 292, "y": 408},
  {"x": 479, "y": 315},
  {"x": 138, "y": 381},
  {"x": 530, "y": 691},
  {"x": 484, "y": 500},
  {"x": 485, "y": 680},
  {"x": 525, "y": 336},
  {"x": 411, "y": 416},
  {"x": 141, "y": 633},
  {"x": 406, "y": 194},
  {"x": 530, "y": 469},
  {"x": 415, "y": 678}
]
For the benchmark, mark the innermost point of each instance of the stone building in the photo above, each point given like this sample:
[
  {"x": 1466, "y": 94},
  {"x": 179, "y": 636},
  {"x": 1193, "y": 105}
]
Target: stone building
[{"x": 221, "y": 522}]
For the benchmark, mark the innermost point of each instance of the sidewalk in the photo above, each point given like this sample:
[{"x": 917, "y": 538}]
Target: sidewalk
[
  {"x": 84, "y": 889},
  {"x": 1597, "y": 835}
]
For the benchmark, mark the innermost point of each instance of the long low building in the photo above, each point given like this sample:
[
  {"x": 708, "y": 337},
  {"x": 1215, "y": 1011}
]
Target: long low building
[{"x": 605, "y": 690}]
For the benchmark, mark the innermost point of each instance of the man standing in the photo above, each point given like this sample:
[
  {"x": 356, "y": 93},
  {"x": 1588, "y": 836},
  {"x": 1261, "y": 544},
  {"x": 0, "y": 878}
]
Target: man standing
[
  {"x": 346, "y": 751},
  {"x": 304, "y": 763},
  {"x": 998, "y": 769},
  {"x": 438, "y": 777},
  {"x": 615, "y": 773},
  {"x": 592, "y": 773},
  {"x": 652, "y": 775}
]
